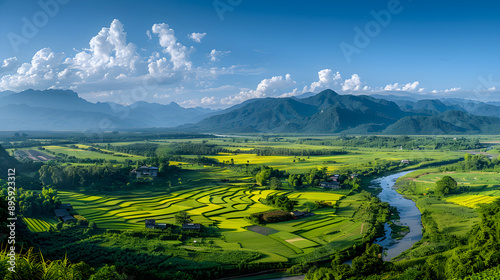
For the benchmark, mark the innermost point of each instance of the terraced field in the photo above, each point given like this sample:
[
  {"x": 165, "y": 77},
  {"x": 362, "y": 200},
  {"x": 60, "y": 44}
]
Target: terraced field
[
  {"x": 225, "y": 207},
  {"x": 39, "y": 224}
]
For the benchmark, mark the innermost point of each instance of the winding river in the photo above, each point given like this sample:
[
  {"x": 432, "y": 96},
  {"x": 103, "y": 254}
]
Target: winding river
[{"x": 409, "y": 216}]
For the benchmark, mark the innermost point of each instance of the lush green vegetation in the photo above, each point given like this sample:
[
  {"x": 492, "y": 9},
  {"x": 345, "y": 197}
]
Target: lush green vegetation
[{"x": 221, "y": 183}]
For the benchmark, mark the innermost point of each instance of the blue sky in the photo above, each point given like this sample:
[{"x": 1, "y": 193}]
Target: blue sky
[{"x": 126, "y": 51}]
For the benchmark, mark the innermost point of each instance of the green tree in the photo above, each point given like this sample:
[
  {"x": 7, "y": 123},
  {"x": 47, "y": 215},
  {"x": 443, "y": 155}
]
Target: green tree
[
  {"x": 182, "y": 217},
  {"x": 445, "y": 185},
  {"x": 262, "y": 176},
  {"x": 275, "y": 183},
  {"x": 370, "y": 262}
]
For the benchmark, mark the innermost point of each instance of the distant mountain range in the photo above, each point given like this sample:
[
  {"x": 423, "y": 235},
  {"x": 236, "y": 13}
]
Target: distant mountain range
[
  {"x": 329, "y": 112},
  {"x": 324, "y": 113},
  {"x": 65, "y": 110}
]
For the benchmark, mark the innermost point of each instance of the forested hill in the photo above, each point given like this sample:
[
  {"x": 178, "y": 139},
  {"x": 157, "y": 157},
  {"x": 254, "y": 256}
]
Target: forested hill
[
  {"x": 329, "y": 112},
  {"x": 6, "y": 162}
]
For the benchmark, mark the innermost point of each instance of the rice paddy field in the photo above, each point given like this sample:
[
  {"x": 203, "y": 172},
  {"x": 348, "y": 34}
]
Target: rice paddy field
[
  {"x": 40, "y": 224},
  {"x": 226, "y": 208}
]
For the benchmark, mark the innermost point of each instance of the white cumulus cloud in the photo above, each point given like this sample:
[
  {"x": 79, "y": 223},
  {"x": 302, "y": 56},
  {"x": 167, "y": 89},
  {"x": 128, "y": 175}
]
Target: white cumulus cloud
[
  {"x": 197, "y": 36},
  {"x": 353, "y": 84},
  {"x": 9, "y": 65},
  {"x": 415, "y": 86},
  {"x": 267, "y": 87},
  {"x": 179, "y": 54},
  {"x": 216, "y": 55},
  {"x": 327, "y": 79},
  {"x": 39, "y": 73}
]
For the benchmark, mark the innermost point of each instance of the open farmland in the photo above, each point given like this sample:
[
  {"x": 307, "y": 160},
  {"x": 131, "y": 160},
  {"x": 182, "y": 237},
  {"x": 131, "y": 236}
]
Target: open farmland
[
  {"x": 82, "y": 153},
  {"x": 226, "y": 208},
  {"x": 33, "y": 155},
  {"x": 40, "y": 224}
]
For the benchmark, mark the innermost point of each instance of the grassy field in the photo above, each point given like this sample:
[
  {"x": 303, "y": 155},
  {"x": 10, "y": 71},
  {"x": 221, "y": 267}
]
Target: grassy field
[
  {"x": 40, "y": 224},
  {"x": 79, "y": 153},
  {"x": 454, "y": 213},
  {"x": 357, "y": 158}
]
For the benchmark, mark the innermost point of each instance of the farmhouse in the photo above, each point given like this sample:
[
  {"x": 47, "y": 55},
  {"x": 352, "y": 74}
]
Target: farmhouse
[
  {"x": 63, "y": 214},
  {"x": 335, "y": 178},
  {"x": 330, "y": 185},
  {"x": 145, "y": 171},
  {"x": 67, "y": 218},
  {"x": 191, "y": 226},
  {"x": 151, "y": 223},
  {"x": 405, "y": 161}
]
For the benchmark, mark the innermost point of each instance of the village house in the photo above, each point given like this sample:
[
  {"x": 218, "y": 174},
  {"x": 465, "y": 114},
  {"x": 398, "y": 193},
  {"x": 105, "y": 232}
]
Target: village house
[
  {"x": 145, "y": 171},
  {"x": 334, "y": 178},
  {"x": 330, "y": 185},
  {"x": 63, "y": 214},
  {"x": 150, "y": 223}
]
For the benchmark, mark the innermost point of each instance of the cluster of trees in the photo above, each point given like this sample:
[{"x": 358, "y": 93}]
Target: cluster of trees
[
  {"x": 267, "y": 151},
  {"x": 362, "y": 266},
  {"x": 474, "y": 163},
  {"x": 309, "y": 179},
  {"x": 33, "y": 203},
  {"x": 483, "y": 248},
  {"x": 265, "y": 175},
  {"x": 140, "y": 149},
  {"x": 282, "y": 202},
  {"x": 94, "y": 176},
  {"x": 30, "y": 143},
  {"x": 406, "y": 142},
  {"x": 273, "y": 216},
  {"x": 201, "y": 149}
]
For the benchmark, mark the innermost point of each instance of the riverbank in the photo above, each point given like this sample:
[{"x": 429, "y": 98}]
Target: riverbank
[{"x": 409, "y": 216}]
